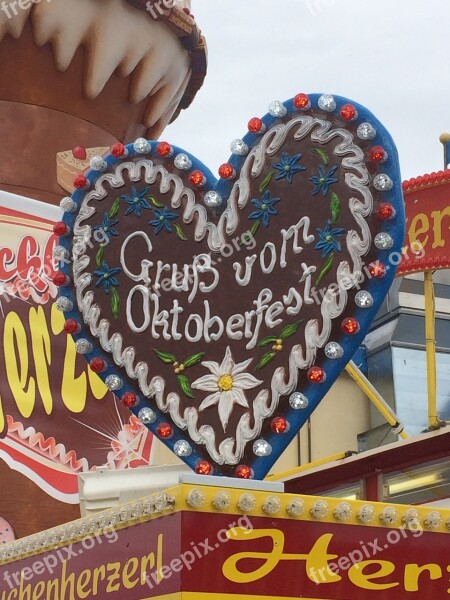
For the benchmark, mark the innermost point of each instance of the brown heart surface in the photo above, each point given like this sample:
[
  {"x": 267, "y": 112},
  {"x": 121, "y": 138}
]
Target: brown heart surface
[{"x": 221, "y": 312}]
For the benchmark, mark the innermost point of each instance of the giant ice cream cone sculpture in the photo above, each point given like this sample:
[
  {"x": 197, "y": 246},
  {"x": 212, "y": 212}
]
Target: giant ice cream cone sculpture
[{"x": 88, "y": 73}]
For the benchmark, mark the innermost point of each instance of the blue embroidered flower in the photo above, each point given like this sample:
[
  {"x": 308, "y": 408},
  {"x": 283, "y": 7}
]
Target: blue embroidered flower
[
  {"x": 107, "y": 227},
  {"x": 266, "y": 208},
  {"x": 287, "y": 167},
  {"x": 107, "y": 277},
  {"x": 163, "y": 220},
  {"x": 323, "y": 180},
  {"x": 136, "y": 201},
  {"x": 328, "y": 242}
]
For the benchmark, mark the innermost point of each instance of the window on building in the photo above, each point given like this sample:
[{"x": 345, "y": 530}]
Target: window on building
[
  {"x": 420, "y": 484},
  {"x": 347, "y": 492}
]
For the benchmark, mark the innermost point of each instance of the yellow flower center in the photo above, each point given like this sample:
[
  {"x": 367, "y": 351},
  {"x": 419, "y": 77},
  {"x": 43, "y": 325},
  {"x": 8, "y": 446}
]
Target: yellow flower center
[{"x": 225, "y": 383}]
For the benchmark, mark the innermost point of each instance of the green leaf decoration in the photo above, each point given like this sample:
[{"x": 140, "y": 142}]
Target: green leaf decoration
[
  {"x": 193, "y": 360},
  {"x": 271, "y": 339},
  {"x": 322, "y": 155},
  {"x": 155, "y": 202},
  {"x": 255, "y": 227},
  {"x": 168, "y": 359},
  {"x": 265, "y": 360},
  {"x": 185, "y": 386},
  {"x": 99, "y": 256},
  {"x": 180, "y": 233},
  {"x": 326, "y": 267},
  {"x": 114, "y": 210},
  {"x": 290, "y": 330},
  {"x": 266, "y": 182},
  {"x": 115, "y": 303},
  {"x": 335, "y": 207}
]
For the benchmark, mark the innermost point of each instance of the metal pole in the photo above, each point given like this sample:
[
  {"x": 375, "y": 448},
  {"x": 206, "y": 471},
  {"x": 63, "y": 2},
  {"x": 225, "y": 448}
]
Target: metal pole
[
  {"x": 311, "y": 465},
  {"x": 444, "y": 138},
  {"x": 377, "y": 399},
  {"x": 430, "y": 341},
  {"x": 430, "y": 329}
]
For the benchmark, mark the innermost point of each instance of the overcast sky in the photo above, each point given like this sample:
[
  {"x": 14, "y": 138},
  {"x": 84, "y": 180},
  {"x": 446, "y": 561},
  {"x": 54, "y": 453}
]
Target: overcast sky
[{"x": 391, "y": 56}]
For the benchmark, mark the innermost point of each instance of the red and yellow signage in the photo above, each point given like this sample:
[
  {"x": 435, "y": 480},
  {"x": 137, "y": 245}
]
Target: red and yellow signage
[
  {"x": 57, "y": 418},
  {"x": 427, "y": 204},
  {"x": 206, "y": 543}
]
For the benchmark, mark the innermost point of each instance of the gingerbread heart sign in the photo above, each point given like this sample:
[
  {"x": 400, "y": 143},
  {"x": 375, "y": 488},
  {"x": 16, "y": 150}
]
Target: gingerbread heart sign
[{"x": 221, "y": 312}]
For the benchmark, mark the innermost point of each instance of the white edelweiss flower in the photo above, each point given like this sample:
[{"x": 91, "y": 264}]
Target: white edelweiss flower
[{"x": 227, "y": 381}]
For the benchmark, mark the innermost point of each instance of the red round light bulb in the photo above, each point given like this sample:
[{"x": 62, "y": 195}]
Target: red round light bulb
[
  {"x": 197, "y": 178},
  {"x": 226, "y": 171},
  {"x": 302, "y": 101},
  {"x": 279, "y": 425},
  {"x": 60, "y": 229},
  {"x": 348, "y": 112},
  {"x": 80, "y": 182},
  {"x": 118, "y": 150},
  {"x": 71, "y": 326},
  {"x": 350, "y": 326},
  {"x": 244, "y": 472},
  {"x": 255, "y": 125},
  {"x": 203, "y": 467},
  {"x": 164, "y": 149},
  {"x": 316, "y": 374},
  {"x": 377, "y": 270},
  {"x": 164, "y": 431},
  {"x": 129, "y": 399},
  {"x": 60, "y": 279},
  {"x": 385, "y": 211},
  {"x": 97, "y": 364},
  {"x": 377, "y": 154}
]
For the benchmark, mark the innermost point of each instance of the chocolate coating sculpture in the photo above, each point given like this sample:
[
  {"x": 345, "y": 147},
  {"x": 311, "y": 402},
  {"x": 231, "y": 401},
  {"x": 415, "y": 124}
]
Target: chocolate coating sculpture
[{"x": 88, "y": 73}]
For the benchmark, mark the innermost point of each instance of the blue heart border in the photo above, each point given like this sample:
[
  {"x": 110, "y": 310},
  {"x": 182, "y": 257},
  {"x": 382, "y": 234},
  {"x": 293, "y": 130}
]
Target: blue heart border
[{"x": 378, "y": 288}]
